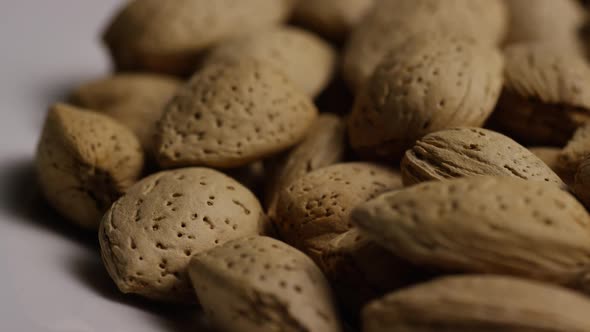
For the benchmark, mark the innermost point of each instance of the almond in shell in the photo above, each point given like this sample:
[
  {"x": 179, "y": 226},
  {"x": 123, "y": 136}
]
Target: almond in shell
[
  {"x": 498, "y": 225},
  {"x": 477, "y": 304},
  {"x": 231, "y": 114},
  {"x": 462, "y": 152},
  {"x": 262, "y": 284},
  {"x": 148, "y": 236},
  {"x": 85, "y": 161},
  {"x": 169, "y": 36}
]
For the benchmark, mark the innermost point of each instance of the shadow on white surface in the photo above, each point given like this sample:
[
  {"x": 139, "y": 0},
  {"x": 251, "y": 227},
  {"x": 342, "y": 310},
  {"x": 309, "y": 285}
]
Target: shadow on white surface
[{"x": 24, "y": 204}]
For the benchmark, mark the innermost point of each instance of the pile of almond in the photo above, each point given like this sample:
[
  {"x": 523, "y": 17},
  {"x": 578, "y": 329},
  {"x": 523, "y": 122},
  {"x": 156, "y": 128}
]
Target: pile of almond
[{"x": 331, "y": 165}]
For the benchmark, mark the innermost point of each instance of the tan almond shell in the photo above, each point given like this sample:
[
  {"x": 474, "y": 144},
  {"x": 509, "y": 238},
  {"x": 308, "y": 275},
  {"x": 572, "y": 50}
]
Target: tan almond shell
[
  {"x": 231, "y": 114},
  {"x": 85, "y": 161},
  {"x": 262, "y": 284},
  {"x": 576, "y": 150},
  {"x": 313, "y": 215},
  {"x": 498, "y": 225},
  {"x": 546, "y": 94},
  {"x": 135, "y": 100},
  {"x": 555, "y": 21},
  {"x": 479, "y": 304},
  {"x": 324, "y": 145},
  {"x": 306, "y": 59},
  {"x": 318, "y": 204},
  {"x": 360, "y": 270},
  {"x": 422, "y": 88},
  {"x": 463, "y": 152},
  {"x": 582, "y": 182},
  {"x": 168, "y": 36},
  {"x": 149, "y": 235},
  {"x": 390, "y": 24},
  {"x": 333, "y": 19}
]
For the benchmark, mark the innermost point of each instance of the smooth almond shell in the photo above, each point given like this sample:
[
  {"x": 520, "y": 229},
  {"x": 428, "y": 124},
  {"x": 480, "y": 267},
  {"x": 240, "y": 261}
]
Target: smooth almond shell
[
  {"x": 135, "y": 100},
  {"x": 148, "y": 236},
  {"x": 168, "y": 37},
  {"x": 331, "y": 18},
  {"x": 499, "y": 225},
  {"x": 479, "y": 304},
  {"x": 85, "y": 161},
  {"x": 231, "y": 114},
  {"x": 546, "y": 94},
  {"x": 463, "y": 152},
  {"x": 262, "y": 284},
  {"x": 422, "y": 88},
  {"x": 307, "y": 60},
  {"x": 555, "y": 21}
]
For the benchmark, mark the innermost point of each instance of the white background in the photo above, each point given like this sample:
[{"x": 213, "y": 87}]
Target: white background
[{"x": 51, "y": 277}]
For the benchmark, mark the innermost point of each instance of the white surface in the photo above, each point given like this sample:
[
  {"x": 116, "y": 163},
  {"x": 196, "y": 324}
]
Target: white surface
[{"x": 51, "y": 275}]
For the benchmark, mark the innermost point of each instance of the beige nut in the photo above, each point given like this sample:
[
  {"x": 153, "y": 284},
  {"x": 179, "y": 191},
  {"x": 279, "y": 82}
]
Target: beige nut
[
  {"x": 149, "y": 235},
  {"x": 313, "y": 215},
  {"x": 390, "y": 24},
  {"x": 317, "y": 205},
  {"x": 135, "y": 100},
  {"x": 422, "y": 88},
  {"x": 231, "y": 114},
  {"x": 331, "y": 18},
  {"x": 479, "y": 304},
  {"x": 361, "y": 270},
  {"x": 307, "y": 60},
  {"x": 498, "y": 225},
  {"x": 463, "y": 152},
  {"x": 546, "y": 94},
  {"x": 85, "y": 161},
  {"x": 324, "y": 145},
  {"x": 261, "y": 284},
  {"x": 555, "y": 21},
  {"x": 168, "y": 36}
]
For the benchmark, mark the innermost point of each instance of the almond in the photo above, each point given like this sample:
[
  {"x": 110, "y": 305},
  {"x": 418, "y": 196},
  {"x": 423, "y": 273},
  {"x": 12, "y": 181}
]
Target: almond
[
  {"x": 149, "y": 235},
  {"x": 135, "y": 100},
  {"x": 422, "y": 88},
  {"x": 307, "y": 60},
  {"x": 331, "y": 18},
  {"x": 313, "y": 215},
  {"x": 360, "y": 270},
  {"x": 165, "y": 36},
  {"x": 261, "y": 284},
  {"x": 546, "y": 94},
  {"x": 85, "y": 161},
  {"x": 324, "y": 145},
  {"x": 555, "y": 21},
  {"x": 391, "y": 24},
  {"x": 318, "y": 204},
  {"x": 479, "y": 303},
  {"x": 499, "y": 225},
  {"x": 462, "y": 152},
  {"x": 231, "y": 114}
]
